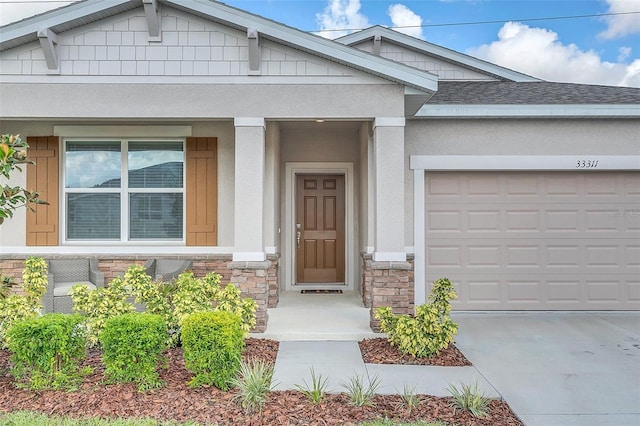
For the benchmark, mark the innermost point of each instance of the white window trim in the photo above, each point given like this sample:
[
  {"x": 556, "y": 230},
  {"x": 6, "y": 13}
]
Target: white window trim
[
  {"x": 124, "y": 191},
  {"x": 422, "y": 164}
]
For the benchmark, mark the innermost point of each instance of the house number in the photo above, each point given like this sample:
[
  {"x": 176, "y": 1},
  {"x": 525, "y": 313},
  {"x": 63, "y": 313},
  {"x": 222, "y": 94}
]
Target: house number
[{"x": 586, "y": 164}]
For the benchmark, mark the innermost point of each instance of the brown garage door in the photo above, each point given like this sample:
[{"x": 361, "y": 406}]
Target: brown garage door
[{"x": 535, "y": 241}]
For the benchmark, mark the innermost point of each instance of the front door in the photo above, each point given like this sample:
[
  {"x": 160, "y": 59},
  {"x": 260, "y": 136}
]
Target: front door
[{"x": 320, "y": 222}]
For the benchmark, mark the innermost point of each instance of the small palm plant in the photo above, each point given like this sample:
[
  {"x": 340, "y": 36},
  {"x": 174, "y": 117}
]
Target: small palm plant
[
  {"x": 361, "y": 394},
  {"x": 470, "y": 399},
  {"x": 318, "y": 387},
  {"x": 254, "y": 383}
]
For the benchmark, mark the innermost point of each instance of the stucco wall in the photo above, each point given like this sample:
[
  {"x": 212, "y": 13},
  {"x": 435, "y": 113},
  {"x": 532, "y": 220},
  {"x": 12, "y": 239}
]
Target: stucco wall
[{"x": 514, "y": 137}]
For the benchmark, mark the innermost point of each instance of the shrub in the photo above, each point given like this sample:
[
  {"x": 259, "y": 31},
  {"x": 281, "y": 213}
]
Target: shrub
[
  {"x": 361, "y": 394},
  {"x": 254, "y": 382},
  {"x": 187, "y": 295},
  {"x": 212, "y": 343},
  {"x": 470, "y": 399},
  {"x": 14, "y": 307},
  {"x": 429, "y": 331},
  {"x": 132, "y": 346},
  {"x": 99, "y": 305},
  {"x": 46, "y": 351}
]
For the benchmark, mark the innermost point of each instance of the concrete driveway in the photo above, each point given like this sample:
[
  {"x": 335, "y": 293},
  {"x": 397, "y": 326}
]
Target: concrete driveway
[{"x": 564, "y": 369}]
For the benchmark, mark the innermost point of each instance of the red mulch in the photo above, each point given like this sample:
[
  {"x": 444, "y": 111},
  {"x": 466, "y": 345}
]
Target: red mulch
[
  {"x": 379, "y": 351},
  {"x": 176, "y": 401}
]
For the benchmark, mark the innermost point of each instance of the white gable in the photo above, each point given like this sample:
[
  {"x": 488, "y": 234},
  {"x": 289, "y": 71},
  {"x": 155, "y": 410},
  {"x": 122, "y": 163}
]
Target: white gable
[
  {"x": 189, "y": 46},
  {"x": 443, "y": 69}
]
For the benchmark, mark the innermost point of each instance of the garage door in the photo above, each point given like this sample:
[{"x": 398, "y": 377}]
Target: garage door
[{"x": 535, "y": 241}]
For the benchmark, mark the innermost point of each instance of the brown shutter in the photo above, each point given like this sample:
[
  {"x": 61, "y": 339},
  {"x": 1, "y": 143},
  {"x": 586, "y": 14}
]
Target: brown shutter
[
  {"x": 202, "y": 191},
  {"x": 42, "y": 177}
]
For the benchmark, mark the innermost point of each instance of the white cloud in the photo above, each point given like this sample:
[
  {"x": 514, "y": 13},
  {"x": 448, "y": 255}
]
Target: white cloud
[
  {"x": 622, "y": 25},
  {"x": 538, "y": 52},
  {"x": 402, "y": 16},
  {"x": 341, "y": 15}
]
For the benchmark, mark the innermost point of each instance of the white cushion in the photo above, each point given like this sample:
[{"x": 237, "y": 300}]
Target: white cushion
[{"x": 63, "y": 289}]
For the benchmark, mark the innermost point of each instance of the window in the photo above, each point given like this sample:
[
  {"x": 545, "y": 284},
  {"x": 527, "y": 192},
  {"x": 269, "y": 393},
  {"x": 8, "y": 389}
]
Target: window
[{"x": 124, "y": 190}]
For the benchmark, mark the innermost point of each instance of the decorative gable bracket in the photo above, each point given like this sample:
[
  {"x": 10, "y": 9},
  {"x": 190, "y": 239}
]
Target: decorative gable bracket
[
  {"x": 49, "y": 44},
  {"x": 255, "y": 52},
  {"x": 152, "y": 13},
  {"x": 377, "y": 44}
]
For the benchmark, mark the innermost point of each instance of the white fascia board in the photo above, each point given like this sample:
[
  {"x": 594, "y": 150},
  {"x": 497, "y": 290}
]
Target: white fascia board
[
  {"x": 317, "y": 45},
  {"x": 433, "y": 49},
  {"x": 578, "y": 162},
  {"x": 55, "y": 17},
  {"x": 529, "y": 111}
]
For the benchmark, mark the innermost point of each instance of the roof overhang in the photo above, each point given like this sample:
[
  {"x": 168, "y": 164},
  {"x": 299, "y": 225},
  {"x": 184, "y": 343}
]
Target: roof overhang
[
  {"x": 88, "y": 11},
  {"x": 434, "y": 50},
  {"x": 529, "y": 111}
]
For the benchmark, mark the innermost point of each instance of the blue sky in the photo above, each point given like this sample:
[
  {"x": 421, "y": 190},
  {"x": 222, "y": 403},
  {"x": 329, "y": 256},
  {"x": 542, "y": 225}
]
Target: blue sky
[{"x": 594, "y": 50}]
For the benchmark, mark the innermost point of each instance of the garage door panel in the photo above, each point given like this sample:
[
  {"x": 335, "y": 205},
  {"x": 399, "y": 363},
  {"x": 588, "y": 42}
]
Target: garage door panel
[
  {"x": 516, "y": 240},
  {"x": 562, "y": 293}
]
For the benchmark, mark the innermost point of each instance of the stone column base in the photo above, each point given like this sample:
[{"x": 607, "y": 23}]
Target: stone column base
[
  {"x": 387, "y": 284},
  {"x": 252, "y": 279}
]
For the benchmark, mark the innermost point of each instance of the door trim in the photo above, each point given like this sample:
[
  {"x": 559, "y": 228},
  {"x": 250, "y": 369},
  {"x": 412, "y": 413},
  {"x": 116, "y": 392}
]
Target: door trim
[{"x": 291, "y": 170}]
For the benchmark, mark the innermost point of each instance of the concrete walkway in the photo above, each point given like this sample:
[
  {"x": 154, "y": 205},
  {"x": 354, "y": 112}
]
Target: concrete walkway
[{"x": 564, "y": 369}]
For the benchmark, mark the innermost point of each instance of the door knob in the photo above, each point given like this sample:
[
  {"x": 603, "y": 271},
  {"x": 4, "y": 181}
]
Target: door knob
[{"x": 298, "y": 234}]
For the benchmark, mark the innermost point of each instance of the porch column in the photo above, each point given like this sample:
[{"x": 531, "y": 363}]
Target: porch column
[
  {"x": 388, "y": 157},
  {"x": 249, "y": 189}
]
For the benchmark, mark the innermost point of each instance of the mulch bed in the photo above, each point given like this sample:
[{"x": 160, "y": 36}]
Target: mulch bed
[
  {"x": 379, "y": 351},
  {"x": 176, "y": 401}
]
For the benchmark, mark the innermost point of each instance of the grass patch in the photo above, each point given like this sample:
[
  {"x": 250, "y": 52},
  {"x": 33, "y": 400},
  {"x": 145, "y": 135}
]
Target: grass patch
[{"x": 30, "y": 418}]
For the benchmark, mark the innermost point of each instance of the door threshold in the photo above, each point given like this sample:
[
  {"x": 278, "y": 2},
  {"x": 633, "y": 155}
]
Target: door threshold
[{"x": 321, "y": 291}]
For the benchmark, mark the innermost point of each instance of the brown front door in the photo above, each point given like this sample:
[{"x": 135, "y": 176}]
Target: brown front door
[{"x": 320, "y": 229}]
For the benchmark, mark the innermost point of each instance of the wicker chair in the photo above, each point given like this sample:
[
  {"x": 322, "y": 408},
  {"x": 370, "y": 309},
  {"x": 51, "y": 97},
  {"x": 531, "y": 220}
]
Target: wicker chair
[
  {"x": 64, "y": 274},
  {"x": 166, "y": 269}
]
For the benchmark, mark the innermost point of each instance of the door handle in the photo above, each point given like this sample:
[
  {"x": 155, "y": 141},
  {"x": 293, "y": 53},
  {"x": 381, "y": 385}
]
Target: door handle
[{"x": 298, "y": 234}]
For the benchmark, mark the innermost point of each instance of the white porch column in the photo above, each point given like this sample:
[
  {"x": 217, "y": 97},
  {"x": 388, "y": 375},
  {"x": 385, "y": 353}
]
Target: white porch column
[
  {"x": 249, "y": 189},
  {"x": 388, "y": 156}
]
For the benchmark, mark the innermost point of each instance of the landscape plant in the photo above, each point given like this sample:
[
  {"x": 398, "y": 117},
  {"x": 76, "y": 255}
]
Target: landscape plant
[
  {"x": 46, "y": 351},
  {"x": 409, "y": 398},
  {"x": 132, "y": 346},
  {"x": 13, "y": 154},
  {"x": 212, "y": 344},
  {"x": 99, "y": 305},
  {"x": 317, "y": 389},
  {"x": 427, "y": 332},
  {"x": 469, "y": 398},
  {"x": 360, "y": 393},
  {"x": 254, "y": 381},
  {"x": 16, "y": 307},
  {"x": 187, "y": 295}
]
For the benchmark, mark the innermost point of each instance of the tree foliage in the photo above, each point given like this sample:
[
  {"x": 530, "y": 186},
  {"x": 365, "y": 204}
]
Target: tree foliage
[{"x": 13, "y": 154}]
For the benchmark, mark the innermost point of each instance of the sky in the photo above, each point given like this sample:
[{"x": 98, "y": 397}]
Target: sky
[{"x": 577, "y": 41}]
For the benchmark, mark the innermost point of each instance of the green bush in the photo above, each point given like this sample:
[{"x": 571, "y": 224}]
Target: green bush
[
  {"x": 430, "y": 330},
  {"x": 212, "y": 343},
  {"x": 46, "y": 351},
  {"x": 14, "y": 307},
  {"x": 132, "y": 346},
  {"x": 187, "y": 295},
  {"x": 99, "y": 305}
]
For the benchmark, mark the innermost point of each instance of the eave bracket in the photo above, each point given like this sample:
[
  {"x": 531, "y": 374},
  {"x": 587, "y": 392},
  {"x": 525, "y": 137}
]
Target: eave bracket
[
  {"x": 255, "y": 51},
  {"x": 152, "y": 13},
  {"x": 49, "y": 43}
]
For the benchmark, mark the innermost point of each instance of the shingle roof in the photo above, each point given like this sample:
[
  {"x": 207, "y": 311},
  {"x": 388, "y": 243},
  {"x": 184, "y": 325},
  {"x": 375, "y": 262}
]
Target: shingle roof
[{"x": 530, "y": 93}]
